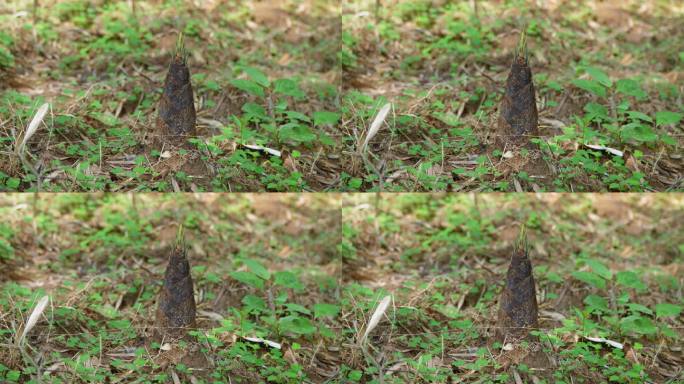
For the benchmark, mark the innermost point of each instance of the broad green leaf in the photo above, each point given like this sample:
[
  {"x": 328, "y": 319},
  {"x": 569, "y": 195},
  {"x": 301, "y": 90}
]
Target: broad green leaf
[
  {"x": 667, "y": 310},
  {"x": 325, "y": 117},
  {"x": 639, "y": 115},
  {"x": 596, "y": 303},
  {"x": 638, "y": 324},
  {"x": 257, "y": 76},
  {"x": 248, "y": 278},
  {"x": 325, "y": 310},
  {"x": 119, "y": 324},
  {"x": 288, "y": 87},
  {"x": 667, "y": 117},
  {"x": 257, "y": 268},
  {"x": 288, "y": 279},
  {"x": 631, "y": 280},
  {"x": 638, "y": 308},
  {"x": 599, "y": 76},
  {"x": 630, "y": 87},
  {"x": 595, "y": 110},
  {"x": 248, "y": 86},
  {"x": 296, "y": 324},
  {"x": 591, "y": 86},
  {"x": 255, "y": 110},
  {"x": 254, "y": 303},
  {"x": 590, "y": 278},
  {"x": 296, "y": 132},
  {"x": 296, "y": 308},
  {"x": 639, "y": 132},
  {"x": 294, "y": 115},
  {"x": 600, "y": 268}
]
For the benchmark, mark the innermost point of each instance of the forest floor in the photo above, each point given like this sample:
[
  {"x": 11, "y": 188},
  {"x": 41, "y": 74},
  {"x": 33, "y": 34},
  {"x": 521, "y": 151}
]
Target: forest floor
[
  {"x": 607, "y": 73},
  {"x": 264, "y": 74},
  {"x": 264, "y": 267},
  {"x": 607, "y": 267}
]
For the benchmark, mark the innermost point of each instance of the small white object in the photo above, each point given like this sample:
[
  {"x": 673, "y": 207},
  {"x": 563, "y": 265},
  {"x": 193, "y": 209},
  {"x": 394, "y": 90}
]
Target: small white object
[
  {"x": 612, "y": 343},
  {"x": 270, "y": 151},
  {"x": 165, "y": 347},
  {"x": 377, "y": 316},
  {"x": 607, "y": 149},
  {"x": 259, "y": 340},
  {"x": 33, "y": 319},
  {"x": 376, "y": 124},
  {"x": 507, "y": 155},
  {"x": 165, "y": 155}
]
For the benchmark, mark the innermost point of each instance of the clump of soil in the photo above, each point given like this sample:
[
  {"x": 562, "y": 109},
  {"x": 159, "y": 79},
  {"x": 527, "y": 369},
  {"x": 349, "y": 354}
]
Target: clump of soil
[
  {"x": 518, "y": 110},
  {"x": 518, "y": 303},
  {"x": 177, "y": 117},
  {"x": 176, "y": 310}
]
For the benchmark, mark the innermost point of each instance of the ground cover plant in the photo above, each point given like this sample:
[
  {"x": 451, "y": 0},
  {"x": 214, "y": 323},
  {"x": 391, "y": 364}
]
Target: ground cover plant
[
  {"x": 264, "y": 81},
  {"x": 264, "y": 269},
  {"x": 424, "y": 278},
  {"x": 608, "y": 81}
]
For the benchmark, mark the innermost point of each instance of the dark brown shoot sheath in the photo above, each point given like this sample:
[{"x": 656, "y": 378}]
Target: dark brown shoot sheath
[
  {"x": 518, "y": 304},
  {"x": 518, "y": 110},
  {"x": 176, "y": 310},
  {"x": 177, "y": 116}
]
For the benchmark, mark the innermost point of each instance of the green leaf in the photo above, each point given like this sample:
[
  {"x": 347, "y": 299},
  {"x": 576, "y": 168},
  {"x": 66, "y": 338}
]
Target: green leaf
[
  {"x": 630, "y": 87},
  {"x": 667, "y": 310},
  {"x": 325, "y": 117},
  {"x": 248, "y": 86},
  {"x": 288, "y": 87},
  {"x": 667, "y": 117},
  {"x": 325, "y": 310},
  {"x": 591, "y": 86},
  {"x": 296, "y": 308},
  {"x": 596, "y": 303},
  {"x": 600, "y": 268},
  {"x": 287, "y": 279},
  {"x": 639, "y": 116},
  {"x": 294, "y": 115},
  {"x": 296, "y": 324},
  {"x": 257, "y": 76},
  {"x": 599, "y": 76},
  {"x": 639, "y": 132},
  {"x": 590, "y": 278},
  {"x": 248, "y": 278},
  {"x": 13, "y": 376},
  {"x": 257, "y": 268},
  {"x": 296, "y": 132},
  {"x": 119, "y": 324},
  {"x": 638, "y": 308},
  {"x": 595, "y": 110},
  {"x": 631, "y": 280},
  {"x": 254, "y": 303},
  {"x": 12, "y": 183},
  {"x": 638, "y": 324},
  {"x": 255, "y": 110}
]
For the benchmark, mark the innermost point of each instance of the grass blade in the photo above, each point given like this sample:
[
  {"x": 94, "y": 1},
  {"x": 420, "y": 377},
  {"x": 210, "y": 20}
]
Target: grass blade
[
  {"x": 33, "y": 126},
  {"x": 375, "y": 126},
  {"x": 35, "y": 315},
  {"x": 377, "y": 316}
]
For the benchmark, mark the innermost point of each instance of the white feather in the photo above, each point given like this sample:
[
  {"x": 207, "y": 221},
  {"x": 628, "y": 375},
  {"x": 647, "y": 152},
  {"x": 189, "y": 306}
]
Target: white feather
[
  {"x": 33, "y": 126},
  {"x": 377, "y": 123},
  {"x": 377, "y": 316},
  {"x": 35, "y": 315}
]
